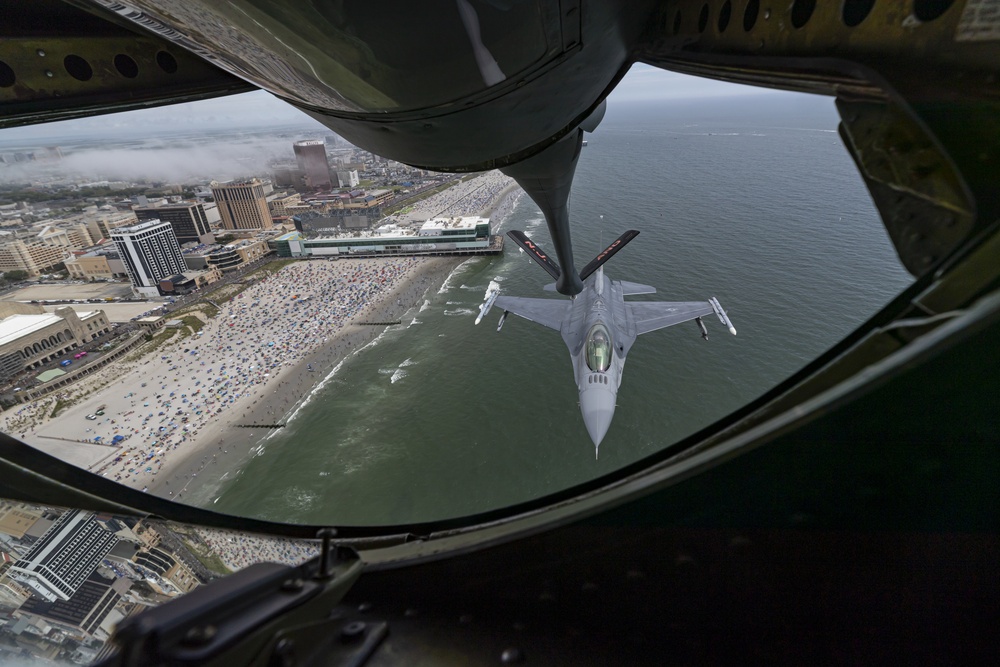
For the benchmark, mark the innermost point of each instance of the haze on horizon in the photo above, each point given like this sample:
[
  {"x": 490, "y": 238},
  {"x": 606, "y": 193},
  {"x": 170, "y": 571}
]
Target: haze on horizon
[{"x": 155, "y": 145}]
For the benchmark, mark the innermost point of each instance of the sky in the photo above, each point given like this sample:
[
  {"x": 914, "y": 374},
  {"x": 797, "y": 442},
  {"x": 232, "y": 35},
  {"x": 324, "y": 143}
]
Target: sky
[
  {"x": 642, "y": 83},
  {"x": 160, "y": 150}
]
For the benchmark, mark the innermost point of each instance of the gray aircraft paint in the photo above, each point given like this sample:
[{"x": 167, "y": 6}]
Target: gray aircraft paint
[{"x": 600, "y": 307}]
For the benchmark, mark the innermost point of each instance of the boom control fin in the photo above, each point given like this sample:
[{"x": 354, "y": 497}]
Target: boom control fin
[
  {"x": 608, "y": 253},
  {"x": 535, "y": 253}
]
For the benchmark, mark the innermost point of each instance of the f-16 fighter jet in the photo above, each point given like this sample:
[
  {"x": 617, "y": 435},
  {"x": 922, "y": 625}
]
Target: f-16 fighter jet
[{"x": 598, "y": 326}]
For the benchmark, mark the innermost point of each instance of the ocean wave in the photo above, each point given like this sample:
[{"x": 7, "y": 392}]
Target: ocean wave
[
  {"x": 386, "y": 371},
  {"x": 398, "y": 375},
  {"x": 459, "y": 312},
  {"x": 300, "y": 499},
  {"x": 415, "y": 321},
  {"x": 446, "y": 285},
  {"x": 407, "y": 362},
  {"x": 425, "y": 306},
  {"x": 322, "y": 384},
  {"x": 454, "y": 303}
]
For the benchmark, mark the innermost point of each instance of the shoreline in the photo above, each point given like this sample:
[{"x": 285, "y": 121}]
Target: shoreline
[
  {"x": 231, "y": 445},
  {"x": 248, "y": 364}
]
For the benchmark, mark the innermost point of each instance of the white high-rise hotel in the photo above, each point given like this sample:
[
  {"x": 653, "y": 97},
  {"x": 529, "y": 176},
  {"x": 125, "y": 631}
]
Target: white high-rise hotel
[
  {"x": 150, "y": 253},
  {"x": 61, "y": 560}
]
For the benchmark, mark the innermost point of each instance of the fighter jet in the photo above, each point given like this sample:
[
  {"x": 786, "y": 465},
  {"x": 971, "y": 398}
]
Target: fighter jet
[{"x": 598, "y": 326}]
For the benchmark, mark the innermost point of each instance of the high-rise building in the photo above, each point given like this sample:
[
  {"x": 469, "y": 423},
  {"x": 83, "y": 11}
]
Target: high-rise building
[
  {"x": 65, "y": 556},
  {"x": 242, "y": 205},
  {"x": 348, "y": 178},
  {"x": 101, "y": 223},
  {"x": 279, "y": 203},
  {"x": 311, "y": 156},
  {"x": 150, "y": 252},
  {"x": 188, "y": 220},
  {"x": 34, "y": 258},
  {"x": 68, "y": 236}
]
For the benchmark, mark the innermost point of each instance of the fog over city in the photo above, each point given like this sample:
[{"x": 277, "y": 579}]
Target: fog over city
[
  {"x": 160, "y": 159},
  {"x": 240, "y": 135}
]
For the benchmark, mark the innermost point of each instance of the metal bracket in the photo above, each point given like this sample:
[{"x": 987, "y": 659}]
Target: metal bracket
[
  {"x": 252, "y": 617},
  {"x": 920, "y": 195}
]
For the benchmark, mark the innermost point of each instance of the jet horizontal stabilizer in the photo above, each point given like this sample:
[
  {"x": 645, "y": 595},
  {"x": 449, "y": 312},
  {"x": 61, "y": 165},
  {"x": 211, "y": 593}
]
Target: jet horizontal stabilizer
[
  {"x": 630, "y": 289},
  {"x": 608, "y": 253},
  {"x": 535, "y": 253}
]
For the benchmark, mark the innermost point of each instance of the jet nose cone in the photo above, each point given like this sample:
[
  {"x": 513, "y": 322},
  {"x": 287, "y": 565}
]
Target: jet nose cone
[{"x": 598, "y": 407}]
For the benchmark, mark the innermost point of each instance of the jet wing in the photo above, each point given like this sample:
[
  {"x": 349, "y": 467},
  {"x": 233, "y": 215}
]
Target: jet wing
[
  {"x": 653, "y": 315},
  {"x": 547, "y": 312}
]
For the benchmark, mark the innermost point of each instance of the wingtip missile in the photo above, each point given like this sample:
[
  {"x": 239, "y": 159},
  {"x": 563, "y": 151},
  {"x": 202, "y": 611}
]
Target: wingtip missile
[
  {"x": 717, "y": 307},
  {"x": 492, "y": 292}
]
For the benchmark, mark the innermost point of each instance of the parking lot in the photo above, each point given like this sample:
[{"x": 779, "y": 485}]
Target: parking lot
[
  {"x": 116, "y": 311},
  {"x": 70, "y": 291}
]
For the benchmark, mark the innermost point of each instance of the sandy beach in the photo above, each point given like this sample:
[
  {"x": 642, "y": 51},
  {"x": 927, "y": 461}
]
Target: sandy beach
[
  {"x": 168, "y": 413},
  {"x": 171, "y": 409},
  {"x": 229, "y": 442}
]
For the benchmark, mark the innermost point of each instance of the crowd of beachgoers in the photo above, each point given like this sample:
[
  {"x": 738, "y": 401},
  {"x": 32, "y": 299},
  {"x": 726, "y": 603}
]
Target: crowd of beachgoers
[
  {"x": 238, "y": 550},
  {"x": 221, "y": 371},
  {"x": 164, "y": 416},
  {"x": 475, "y": 196}
]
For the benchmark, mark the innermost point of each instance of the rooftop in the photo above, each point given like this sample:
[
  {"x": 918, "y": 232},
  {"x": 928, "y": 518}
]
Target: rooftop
[
  {"x": 139, "y": 227},
  {"x": 50, "y": 374},
  {"x": 434, "y": 227},
  {"x": 15, "y": 326},
  {"x": 208, "y": 249},
  {"x": 461, "y": 222}
]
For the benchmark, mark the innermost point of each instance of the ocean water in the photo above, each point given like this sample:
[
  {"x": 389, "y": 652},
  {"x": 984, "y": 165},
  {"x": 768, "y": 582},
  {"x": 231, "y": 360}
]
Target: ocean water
[{"x": 753, "y": 201}]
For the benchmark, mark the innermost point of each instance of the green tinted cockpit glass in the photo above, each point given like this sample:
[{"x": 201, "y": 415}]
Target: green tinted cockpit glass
[{"x": 599, "y": 348}]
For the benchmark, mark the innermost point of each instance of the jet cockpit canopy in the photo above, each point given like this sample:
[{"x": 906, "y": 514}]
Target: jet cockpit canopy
[{"x": 599, "y": 348}]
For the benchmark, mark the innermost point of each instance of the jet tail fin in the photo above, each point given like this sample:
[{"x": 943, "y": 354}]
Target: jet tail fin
[
  {"x": 608, "y": 253},
  {"x": 535, "y": 253}
]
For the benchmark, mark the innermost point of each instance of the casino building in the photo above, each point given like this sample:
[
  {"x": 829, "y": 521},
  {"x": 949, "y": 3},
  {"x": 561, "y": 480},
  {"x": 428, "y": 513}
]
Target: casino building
[{"x": 30, "y": 336}]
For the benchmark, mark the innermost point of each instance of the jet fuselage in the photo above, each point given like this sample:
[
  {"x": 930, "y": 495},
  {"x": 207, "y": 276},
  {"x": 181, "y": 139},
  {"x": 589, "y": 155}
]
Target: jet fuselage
[{"x": 599, "y": 336}]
